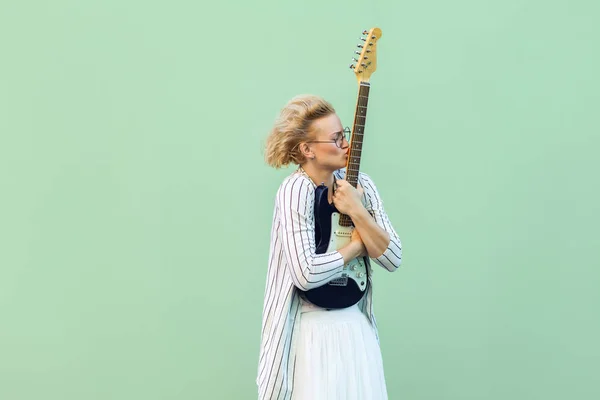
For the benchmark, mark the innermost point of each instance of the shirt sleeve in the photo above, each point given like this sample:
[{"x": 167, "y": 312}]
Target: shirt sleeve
[
  {"x": 392, "y": 256},
  {"x": 295, "y": 202}
]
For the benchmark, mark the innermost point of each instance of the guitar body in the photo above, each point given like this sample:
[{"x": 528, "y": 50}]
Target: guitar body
[{"x": 329, "y": 236}]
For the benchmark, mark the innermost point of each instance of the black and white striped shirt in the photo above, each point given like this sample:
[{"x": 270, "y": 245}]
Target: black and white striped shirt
[{"x": 293, "y": 265}]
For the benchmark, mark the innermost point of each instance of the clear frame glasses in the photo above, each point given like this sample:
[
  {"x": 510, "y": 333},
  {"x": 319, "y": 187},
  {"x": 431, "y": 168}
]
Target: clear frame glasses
[{"x": 339, "y": 139}]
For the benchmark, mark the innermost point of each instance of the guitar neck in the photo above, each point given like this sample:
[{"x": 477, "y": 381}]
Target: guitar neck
[
  {"x": 358, "y": 132},
  {"x": 356, "y": 143}
]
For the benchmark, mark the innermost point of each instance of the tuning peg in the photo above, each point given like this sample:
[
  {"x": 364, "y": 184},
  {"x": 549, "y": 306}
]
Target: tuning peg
[
  {"x": 357, "y": 52},
  {"x": 373, "y": 37},
  {"x": 363, "y": 39},
  {"x": 352, "y": 66},
  {"x": 363, "y": 65},
  {"x": 354, "y": 59},
  {"x": 371, "y": 44},
  {"x": 368, "y": 51},
  {"x": 365, "y": 32},
  {"x": 360, "y": 46},
  {"x": 365, "y": 57}
]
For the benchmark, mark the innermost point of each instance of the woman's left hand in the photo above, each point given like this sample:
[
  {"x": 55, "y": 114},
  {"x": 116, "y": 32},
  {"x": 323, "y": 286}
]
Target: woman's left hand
[{"x": 346, "y": 198}]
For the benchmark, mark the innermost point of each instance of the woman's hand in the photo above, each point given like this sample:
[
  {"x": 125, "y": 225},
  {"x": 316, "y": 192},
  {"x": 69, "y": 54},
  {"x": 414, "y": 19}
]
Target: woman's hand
[
  {"x": 359, "y": 243},
  {"x": 346, "y": 198}
]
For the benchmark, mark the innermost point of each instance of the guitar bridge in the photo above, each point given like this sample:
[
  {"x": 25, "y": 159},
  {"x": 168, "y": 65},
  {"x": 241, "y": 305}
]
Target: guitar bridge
[{"x": 342, "y": 281}]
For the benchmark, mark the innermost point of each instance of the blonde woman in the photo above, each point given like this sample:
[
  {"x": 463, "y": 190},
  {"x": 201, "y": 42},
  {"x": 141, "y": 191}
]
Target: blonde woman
[{"x": 310, "y": 352}]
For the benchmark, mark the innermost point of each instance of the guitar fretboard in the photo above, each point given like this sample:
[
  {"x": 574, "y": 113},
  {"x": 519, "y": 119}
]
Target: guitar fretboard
[{"x": 358, "y": 130}]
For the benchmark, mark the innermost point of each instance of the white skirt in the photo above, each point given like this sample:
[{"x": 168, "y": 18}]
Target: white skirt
[{"x": 337, "y": 356}]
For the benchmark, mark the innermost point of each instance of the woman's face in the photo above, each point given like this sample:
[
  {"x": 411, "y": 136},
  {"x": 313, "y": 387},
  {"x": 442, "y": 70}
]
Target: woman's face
[{"x": 329, "y": 154}]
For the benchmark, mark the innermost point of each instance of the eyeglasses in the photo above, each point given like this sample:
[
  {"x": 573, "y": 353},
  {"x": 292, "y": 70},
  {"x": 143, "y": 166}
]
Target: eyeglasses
[{"x": 339, "y": 139}]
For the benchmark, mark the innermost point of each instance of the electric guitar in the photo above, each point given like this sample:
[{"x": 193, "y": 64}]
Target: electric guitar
[{"x": 333, "y": 230}]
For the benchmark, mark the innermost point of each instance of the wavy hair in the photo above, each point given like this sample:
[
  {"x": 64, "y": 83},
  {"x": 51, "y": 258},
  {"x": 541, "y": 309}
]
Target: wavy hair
[{"x": 292, "y": 127}]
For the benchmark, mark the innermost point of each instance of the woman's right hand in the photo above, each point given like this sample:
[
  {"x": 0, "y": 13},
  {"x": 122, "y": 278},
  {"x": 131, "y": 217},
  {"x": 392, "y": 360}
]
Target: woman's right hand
[
  {"x": 355, "y": 238},
  {"x": 356, "y": 248}
]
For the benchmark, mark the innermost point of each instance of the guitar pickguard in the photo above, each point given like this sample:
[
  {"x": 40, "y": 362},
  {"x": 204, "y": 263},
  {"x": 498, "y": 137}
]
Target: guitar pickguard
[{"x": 356, "y": 269}]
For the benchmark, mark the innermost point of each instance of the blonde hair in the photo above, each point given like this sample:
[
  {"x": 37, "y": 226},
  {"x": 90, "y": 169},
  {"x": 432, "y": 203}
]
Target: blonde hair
[{"x": 292, "y": 128}]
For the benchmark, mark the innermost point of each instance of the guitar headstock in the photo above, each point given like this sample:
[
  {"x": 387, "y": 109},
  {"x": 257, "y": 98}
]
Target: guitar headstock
[{"x": 366, "y": 63}]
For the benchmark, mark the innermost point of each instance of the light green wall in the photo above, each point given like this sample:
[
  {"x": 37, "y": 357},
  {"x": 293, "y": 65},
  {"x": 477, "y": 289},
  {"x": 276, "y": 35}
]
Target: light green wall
[{"x": 136, "y": 208}]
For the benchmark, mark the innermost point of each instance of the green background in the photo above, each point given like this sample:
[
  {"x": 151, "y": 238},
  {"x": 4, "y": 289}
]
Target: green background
[{"x": 136, "y": 207}]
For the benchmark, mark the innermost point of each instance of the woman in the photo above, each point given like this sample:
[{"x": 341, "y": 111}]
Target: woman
[{"x": 308, "y": 352}]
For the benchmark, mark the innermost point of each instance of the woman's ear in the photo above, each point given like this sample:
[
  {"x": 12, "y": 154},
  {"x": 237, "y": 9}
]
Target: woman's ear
[{"x": 306, "y": 151}]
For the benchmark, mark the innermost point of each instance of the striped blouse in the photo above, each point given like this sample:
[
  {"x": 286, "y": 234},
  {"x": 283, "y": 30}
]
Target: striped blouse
[{"x": 294, "y": 266}]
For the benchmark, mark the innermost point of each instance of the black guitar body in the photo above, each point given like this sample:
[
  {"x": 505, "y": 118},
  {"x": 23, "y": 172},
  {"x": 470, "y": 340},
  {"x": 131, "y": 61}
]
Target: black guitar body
[{"x": 334, "y": 294}]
